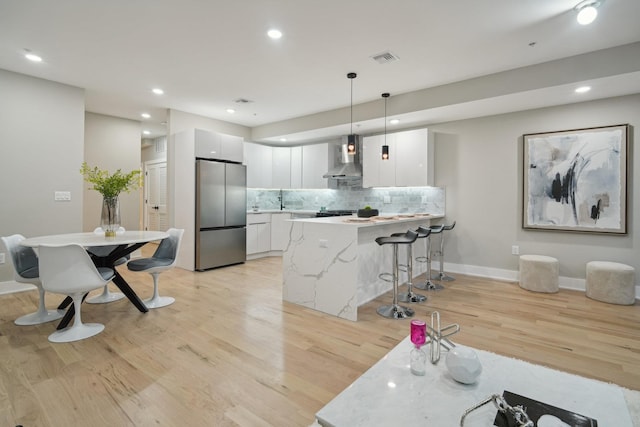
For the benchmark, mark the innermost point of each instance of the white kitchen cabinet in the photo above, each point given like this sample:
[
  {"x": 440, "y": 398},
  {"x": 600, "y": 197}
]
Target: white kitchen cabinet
[
  {"x": 410, "y": 162},
  {"x": 232, "y": 147},
  {"x": 213, "y": 145},
  {"x": 258, "y": 159},
  {"x": 258, "y": 233},
  {"x": 413, "y": 157},
  {"x": 280, "y": 231},
  {"x": 315, "y": 163},
  {"x": 281, "y": 167},
  {"x": 296, "y": 167}
]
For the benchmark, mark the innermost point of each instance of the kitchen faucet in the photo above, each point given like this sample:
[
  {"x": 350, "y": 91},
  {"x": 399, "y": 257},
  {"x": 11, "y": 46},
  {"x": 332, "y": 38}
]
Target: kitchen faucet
[{"x": 281, "y": 200}]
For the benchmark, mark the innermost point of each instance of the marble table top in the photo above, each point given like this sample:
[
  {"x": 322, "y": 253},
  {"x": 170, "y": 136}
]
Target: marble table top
[{"x": 388, "y": 394}]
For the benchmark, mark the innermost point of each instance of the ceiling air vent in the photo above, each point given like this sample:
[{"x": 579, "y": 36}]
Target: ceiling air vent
[{"x": 385, "y": 57}]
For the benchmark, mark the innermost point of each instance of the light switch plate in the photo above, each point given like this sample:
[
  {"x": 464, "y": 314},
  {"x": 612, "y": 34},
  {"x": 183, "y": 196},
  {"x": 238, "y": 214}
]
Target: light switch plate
[
  {"x": 62, "y": 196},
  {"x": 1, "y": 257}
]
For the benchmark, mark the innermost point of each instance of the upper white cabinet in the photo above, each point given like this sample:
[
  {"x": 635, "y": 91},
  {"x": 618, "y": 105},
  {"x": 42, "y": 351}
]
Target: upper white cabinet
[
  {"x": 286, "y": 167},
  {"x": 410, "y": 162},
  {"x": 281, "y": 167},
  {"x": 315, "y": 163},
  {"x": 258, "y": 159},
  {"x": 296, "y": 167},
  {"x": 212, "y": 145}
]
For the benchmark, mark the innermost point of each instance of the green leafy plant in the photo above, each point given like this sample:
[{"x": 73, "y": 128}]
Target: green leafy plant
[
  {"x": 367, "y": 207},
  {"x": 111, "y": 185}
]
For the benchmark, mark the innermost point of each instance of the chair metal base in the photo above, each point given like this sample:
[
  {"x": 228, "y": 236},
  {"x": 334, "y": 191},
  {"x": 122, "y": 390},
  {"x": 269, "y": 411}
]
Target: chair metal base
[
  {"x": 395, "y": 311},
  {"x": 411, "y": 297},
  {"x": 105, "y": 297},
  {"x": 76, "y": 332},
  {"x": 157, "y": 302}
]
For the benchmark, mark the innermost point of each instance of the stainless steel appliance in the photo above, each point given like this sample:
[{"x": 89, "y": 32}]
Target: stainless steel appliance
[{"x": 221, "y": 214}]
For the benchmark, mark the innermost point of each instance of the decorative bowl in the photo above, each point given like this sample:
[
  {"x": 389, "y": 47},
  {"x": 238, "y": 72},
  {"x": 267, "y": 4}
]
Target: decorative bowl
[
  {"x": 367, "y": 213},
  {"x": 463, "y": 365}
]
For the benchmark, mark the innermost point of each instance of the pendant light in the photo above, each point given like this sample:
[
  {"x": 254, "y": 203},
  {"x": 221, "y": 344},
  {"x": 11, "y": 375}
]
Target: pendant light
[
  {"x": 385, "y": 147},
  {"x": 351, "y": 139}
]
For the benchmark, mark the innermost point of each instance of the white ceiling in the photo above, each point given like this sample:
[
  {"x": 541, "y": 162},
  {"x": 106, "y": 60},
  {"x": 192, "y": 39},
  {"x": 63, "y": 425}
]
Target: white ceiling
[{"x": 206, "y": 54}]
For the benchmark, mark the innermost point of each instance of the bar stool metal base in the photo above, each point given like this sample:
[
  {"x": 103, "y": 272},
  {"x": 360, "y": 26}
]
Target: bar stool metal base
[
  {"x": 429, "y": 286},
  {"x": 444, "y": 277},
  {"x": 395, "y": 311},
  {"x": 411, "y": 297}
]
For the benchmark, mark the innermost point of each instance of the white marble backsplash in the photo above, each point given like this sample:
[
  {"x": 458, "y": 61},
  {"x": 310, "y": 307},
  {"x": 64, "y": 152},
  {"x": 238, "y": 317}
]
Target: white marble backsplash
[{"x": 395, "y": 200}]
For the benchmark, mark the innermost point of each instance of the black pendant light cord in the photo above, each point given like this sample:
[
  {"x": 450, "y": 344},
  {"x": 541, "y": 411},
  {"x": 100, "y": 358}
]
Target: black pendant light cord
[{"x": 352, "y": 76}]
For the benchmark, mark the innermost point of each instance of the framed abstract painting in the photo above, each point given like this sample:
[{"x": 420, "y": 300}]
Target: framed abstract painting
[{"x": 576, "y": 180}]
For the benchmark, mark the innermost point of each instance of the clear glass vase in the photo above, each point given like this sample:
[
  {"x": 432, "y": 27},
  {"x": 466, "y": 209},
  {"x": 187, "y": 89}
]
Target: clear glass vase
[
  {"x": 110, "y": 217},
  {"x": 418, "y": 362}
]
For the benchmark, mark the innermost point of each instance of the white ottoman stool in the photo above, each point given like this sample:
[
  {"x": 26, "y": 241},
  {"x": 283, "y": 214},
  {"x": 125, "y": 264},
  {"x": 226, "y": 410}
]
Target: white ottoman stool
[
  {"x": 539, "y": 273},
  {"x": 611, "y": 282}
]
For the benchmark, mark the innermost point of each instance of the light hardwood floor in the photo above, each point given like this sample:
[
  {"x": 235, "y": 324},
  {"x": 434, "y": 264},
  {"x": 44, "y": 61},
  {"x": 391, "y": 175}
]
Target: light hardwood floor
[{"x": 229, "y": 352}]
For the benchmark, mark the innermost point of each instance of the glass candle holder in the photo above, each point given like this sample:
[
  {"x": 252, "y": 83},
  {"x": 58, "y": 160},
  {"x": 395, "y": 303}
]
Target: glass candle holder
[{"x": 418, "y": 358}]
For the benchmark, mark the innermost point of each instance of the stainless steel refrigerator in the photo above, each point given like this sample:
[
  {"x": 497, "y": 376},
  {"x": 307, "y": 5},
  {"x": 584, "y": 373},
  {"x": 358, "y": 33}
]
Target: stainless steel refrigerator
[{"x": 221, "y": 214}]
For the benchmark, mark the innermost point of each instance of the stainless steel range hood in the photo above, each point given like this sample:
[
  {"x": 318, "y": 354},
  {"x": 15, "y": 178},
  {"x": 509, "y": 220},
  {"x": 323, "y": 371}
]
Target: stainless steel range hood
[{"x": 346, "y": 166}]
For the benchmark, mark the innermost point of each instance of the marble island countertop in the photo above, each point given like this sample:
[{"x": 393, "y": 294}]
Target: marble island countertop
[{"x": 383, "y": 219}]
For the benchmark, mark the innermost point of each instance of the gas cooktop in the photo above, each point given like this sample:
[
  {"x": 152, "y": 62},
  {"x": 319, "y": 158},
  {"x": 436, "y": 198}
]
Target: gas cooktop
[{"x": 322, "y": 214}]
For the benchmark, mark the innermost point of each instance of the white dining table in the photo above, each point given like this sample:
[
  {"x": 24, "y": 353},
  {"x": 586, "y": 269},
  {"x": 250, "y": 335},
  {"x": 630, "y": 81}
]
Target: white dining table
[{"x": 123, "y": 244}]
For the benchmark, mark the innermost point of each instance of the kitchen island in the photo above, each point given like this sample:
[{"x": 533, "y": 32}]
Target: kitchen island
[{"x": 332, "y": 264}]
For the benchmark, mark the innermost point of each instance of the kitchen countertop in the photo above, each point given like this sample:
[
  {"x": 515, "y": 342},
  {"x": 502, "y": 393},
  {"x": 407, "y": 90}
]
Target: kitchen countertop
[
  {"x": 291, "y": 211},
  {"x": 354, "y": 220}
]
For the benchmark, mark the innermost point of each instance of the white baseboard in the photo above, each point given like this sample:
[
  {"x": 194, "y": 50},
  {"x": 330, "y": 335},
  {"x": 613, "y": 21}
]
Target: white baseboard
[{"x": 572, "y": 283}]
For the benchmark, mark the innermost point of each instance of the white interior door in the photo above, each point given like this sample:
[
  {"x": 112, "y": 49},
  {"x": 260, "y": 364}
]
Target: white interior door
[{"x": 155, "y": 205}]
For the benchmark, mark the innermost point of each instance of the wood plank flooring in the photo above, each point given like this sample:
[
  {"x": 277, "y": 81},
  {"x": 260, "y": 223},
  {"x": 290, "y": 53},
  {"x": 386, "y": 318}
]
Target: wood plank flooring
[{"x": 229, "y": 352}]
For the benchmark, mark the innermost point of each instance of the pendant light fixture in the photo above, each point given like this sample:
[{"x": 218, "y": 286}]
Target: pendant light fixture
[
  {"x": 385, "y": 147},
  {"x": 351, "y": 139}
]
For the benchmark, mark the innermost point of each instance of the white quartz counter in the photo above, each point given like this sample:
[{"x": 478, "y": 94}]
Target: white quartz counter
[
  {"x": 385, "y": 219},
  {"x": 333, "y": 265}
]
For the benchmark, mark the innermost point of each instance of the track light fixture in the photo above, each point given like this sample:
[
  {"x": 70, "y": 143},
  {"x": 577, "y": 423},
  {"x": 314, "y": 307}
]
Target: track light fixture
[
  {"x": 351, "y": 139},
  {"x": 385, "y": 147},
  {"x": 587, "y": 11}
]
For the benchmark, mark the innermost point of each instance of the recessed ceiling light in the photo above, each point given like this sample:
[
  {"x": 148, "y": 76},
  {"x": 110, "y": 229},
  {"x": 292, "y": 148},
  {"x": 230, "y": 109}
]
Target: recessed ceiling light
[
  {"x": 32, "y": 57},
  {"x": 583, "y": 89},
  {"x": 283, "y": 139},
  {"x": 146, "y": 132},
  {"x": 145, "y": 115},
  {"x": 587, "y": 11},
  {"x": 230, "y": 110},
  {"x": 274, "y": 34},
  {"x": 157, "y": 91},
  {"x": 394, "y": 121}
]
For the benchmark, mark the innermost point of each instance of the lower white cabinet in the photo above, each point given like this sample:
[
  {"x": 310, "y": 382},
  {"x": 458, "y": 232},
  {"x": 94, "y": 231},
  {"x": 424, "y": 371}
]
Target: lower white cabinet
[
  {"x": 258, "y": 233},
  {"x": 280, "y": 229}
]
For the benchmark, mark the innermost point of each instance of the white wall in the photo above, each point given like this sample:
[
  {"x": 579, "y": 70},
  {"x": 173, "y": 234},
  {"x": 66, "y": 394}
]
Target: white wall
[
  {"x": 180, "y": 121},
  {"x": 41, "y": 150},
  {"x": 112, "y": 143},
  {"x": 479, "y": 161}
]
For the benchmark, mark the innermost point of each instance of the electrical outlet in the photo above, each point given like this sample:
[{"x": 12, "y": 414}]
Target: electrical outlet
[
  {"x": 1, "y": 257},
  {"x": 424, "y": 199},
  {"x": 387, "y": 199},
  {"x": 515, "y": 250}
]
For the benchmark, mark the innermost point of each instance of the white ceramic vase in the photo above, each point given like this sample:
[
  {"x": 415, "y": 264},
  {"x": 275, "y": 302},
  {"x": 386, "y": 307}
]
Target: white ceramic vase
[{"x": 463, "y": 365}]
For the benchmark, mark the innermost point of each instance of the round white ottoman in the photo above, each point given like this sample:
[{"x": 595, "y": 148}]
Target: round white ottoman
[
  {"x": 539, "y": 273},
  {"x": 611, "y": 282}
]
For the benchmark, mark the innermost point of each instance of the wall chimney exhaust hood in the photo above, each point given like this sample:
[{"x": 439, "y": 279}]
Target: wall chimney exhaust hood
[{"x": 346, "y": 166}]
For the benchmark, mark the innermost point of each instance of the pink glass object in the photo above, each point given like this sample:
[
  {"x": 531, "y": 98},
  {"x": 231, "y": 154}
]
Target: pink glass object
[{"x": 418, "y": 332}]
